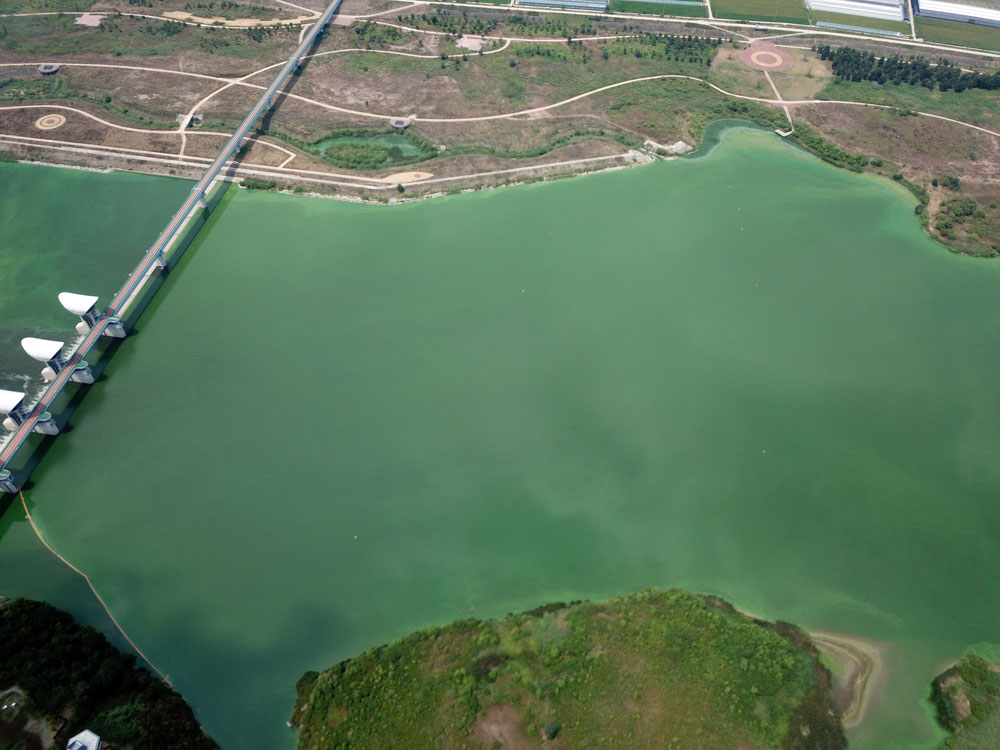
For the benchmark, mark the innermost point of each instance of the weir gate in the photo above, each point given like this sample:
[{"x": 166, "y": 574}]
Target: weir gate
[{"x": 62, "y": 368}]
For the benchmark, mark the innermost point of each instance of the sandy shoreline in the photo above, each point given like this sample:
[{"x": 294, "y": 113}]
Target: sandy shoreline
[
  {"x": 863, "y": 673},
  {"x": 386, "y": 183}
]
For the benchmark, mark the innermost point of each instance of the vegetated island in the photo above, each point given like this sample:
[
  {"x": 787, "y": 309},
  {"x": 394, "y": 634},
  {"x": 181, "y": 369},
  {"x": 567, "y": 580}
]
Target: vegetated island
[
  {"x": 658, "y": 668},
  {"x": 58, "y": 678},
  {"x": 967, "y": 698}
]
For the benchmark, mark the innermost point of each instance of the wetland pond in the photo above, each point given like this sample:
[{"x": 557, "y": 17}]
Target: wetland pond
[{"x": 749, "y": 374}]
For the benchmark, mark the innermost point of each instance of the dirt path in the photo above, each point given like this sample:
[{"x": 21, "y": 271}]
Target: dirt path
[
  {"x": 134, "y": 130},
  {"x": 506, "y": 115},
  {"x": 239, "y": 23}
]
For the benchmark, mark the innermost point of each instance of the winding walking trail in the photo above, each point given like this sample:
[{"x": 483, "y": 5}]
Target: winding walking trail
[{"x": 227, "y": 83}]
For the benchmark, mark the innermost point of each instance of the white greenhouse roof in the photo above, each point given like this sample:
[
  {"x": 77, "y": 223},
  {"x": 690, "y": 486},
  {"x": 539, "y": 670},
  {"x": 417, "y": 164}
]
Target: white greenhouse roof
[
  {"x": 41, "y": 349},
  {"x": 10, "y": 400},
  {"x": 869, "y": 10},
  {"x": 960, "y": 9},
  {"x": 78, "y": 304}
]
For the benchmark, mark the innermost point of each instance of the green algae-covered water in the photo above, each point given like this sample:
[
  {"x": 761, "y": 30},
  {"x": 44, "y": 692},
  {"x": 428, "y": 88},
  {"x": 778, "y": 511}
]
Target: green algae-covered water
[
  {"x": 748, "y": 374},
  {"x": 67, "y": 230}
]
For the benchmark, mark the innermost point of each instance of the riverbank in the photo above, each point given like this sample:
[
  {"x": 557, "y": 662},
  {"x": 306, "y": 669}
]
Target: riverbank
[
  {"x": 589, "y": 674},
  {"x": 495, "y": 448}
]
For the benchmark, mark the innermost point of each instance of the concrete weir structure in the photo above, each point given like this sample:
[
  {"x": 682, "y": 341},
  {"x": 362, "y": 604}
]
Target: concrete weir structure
[{"x": 61, "y": 367}]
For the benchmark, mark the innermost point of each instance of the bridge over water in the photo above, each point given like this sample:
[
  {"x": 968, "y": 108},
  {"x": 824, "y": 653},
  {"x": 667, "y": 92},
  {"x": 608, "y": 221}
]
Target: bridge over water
[{"x": 74, "y": 368}]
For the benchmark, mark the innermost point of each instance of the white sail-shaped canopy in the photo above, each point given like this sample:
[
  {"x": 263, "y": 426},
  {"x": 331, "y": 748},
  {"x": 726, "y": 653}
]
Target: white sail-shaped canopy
[
  {"x": 41, "y": 349},
  {"x": 78, "y": 304},
  {"x": 9, "y": 401}
]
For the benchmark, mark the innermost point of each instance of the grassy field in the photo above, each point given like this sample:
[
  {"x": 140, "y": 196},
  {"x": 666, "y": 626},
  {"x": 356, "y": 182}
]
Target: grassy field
[
  {"x": 663, "y": 669},
  {"x": 26, "y": 6},
  {"x": 791, "y": 11},
  {"x": 963, "y": 34},
  {"x": 658, "y": 9},
  {"x": 870, "y": 23},
  {"x": 976, "y": 106},
  {"x": 52, "y": 36}
]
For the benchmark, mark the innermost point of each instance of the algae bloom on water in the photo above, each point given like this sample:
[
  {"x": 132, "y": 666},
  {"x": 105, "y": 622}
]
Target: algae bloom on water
[{"x": 652, "y": 669}]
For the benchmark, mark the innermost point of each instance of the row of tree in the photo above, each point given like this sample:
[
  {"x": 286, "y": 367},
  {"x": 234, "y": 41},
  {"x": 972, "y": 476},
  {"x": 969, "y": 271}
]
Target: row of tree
[{"x": 857, "y": 65}]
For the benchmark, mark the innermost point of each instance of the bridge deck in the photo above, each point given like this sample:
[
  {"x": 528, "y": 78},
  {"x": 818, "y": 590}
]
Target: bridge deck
[{"x": 142, "y": 272}]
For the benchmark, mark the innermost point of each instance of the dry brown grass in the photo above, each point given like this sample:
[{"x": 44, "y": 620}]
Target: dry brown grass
[
  {"x": 77, "y": 128},
  {"x": 246, "y": 7},
  {"x": 362, "y": 7},
  {"x": 731, "y": 73},
  {"x": 159, "y": 95},
  {"x": 806, "y": 78},
  {"x": 924, "y": 147},
  {"x": 164, "y": 144}
]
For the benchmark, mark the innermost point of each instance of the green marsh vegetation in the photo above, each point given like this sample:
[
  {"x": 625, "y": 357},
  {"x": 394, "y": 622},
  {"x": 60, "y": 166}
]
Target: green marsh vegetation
[
  {"x": 967, "y": 700},
  {"x": 656, "y": 668}
]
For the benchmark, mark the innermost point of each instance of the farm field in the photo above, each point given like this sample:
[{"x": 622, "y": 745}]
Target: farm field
[
  {"x": 963, "y": 34},
  {"x": 791, "y": 11},
  {"x": 661, "y": 9}
]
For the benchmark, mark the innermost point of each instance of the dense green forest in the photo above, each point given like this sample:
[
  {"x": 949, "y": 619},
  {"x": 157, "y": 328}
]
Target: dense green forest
[
  {"x": 664, "y": 669},
  {"x": 64, "y": 669},
  {"x": 856, "y": 65}
]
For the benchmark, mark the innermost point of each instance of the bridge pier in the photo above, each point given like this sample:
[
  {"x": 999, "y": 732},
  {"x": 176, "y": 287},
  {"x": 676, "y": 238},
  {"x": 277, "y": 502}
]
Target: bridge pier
[
  {"x": 115, "y": 328},
  {"x": 86, "y": 307},
  {"x": 7, "y": 483},
  {"x": 201, "y": 202},
  {"x": 50, "y": 352},
  {"x": 15, "y": 413}
]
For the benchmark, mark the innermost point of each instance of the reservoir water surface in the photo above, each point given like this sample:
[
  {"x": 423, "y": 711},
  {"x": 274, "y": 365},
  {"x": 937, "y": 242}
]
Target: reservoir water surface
[{"x": 748, "y": 374}]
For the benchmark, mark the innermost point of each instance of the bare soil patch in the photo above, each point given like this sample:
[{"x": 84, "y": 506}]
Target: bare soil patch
[
  {"x": 242, "y": 22},
  {"x": 404, "y": 177},
  {"x": 501, "y": 726}
]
